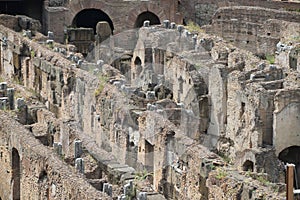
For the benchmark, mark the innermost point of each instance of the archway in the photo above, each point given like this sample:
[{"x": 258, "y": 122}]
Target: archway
[
  {"x": 154, "y": 19},
  {"x": 248, "y": 166},
  {"x": 292, "y": 155},
  {"x": 88, "y": 18},
  {"x": 138, "y": 66},
  {"x": 15, "y": 162}
]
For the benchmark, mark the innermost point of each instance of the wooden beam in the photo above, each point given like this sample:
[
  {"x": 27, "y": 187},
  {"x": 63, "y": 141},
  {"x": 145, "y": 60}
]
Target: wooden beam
[{"x": 290, "y": 181}]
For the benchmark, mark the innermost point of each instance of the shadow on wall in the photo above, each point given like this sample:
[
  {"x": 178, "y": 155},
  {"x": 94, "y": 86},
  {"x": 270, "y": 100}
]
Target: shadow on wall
[{"x": 16, "y": 174}]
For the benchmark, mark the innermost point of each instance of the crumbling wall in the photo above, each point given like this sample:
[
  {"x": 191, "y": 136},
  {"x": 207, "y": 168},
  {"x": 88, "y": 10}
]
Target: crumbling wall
[
  {"x": 42, "y": 173},
  {"x": 249, "y": 27}
]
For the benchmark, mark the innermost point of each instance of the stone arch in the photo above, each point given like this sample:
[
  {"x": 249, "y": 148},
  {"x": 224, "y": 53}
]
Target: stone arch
[
  {"x": 248, "y": 166},
  {"x": 151, "y": 7},
  {"x": 16, "y": 183},
  {"x": 75, "y": 8},
  {"x": 153, "y": 18},
  {"x": 88, "y": 18},
  {"x": 286, "y": 124},
  {"x": 291, "y": 155}
]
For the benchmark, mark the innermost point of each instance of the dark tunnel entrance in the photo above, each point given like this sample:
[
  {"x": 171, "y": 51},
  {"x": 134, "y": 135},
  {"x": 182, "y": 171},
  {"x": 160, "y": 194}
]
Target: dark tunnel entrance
[
  {"x": 88, "y": 18},
  {"x": 154, "y": 19},
  {"x": 30, "y": 8},
  {"x": 291, "y": 155}
]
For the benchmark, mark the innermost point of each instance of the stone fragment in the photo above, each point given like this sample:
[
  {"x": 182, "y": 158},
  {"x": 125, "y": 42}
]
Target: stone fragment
[{"x": 146, "y": 23}]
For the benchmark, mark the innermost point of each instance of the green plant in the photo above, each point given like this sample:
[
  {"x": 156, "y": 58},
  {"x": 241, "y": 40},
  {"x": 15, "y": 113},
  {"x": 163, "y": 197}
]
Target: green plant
[
  {"x": 32, "y": 53},
  {"x": 193, "y": 27},
  {"x": 221, "y": 173},
  {"x": 270, "y": 58},
  {"x": 143, "y": 175},
  {"x": 263, "y": 180},
  {"x": 102, "y": 82}
]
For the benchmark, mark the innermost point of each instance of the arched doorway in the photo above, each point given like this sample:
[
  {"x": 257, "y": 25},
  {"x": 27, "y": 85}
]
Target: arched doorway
[
  {"x": 138, "y": 66},
  {"x": 292, "y": 155},
  {"x": 248, "y": 166},
  {"x": 88, "y": 18},
  {"x": 15, "y": 162},
  {"x": 154, "y": 19}
]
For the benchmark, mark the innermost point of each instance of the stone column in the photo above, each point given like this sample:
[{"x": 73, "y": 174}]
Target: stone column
[
  {"x": 79, "y": 165},
  {"x": 11, "y": 95},
  {"x": 77, "y": 149},
  {"x": 57, "y": 148},
  {"x": 3, "y": 89}
]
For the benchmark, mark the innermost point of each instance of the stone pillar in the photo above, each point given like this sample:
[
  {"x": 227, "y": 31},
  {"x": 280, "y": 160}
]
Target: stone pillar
[
  {"x": 107, "y": 188},
  {"x": 166, "y": 23},
  {"x": 173, "y": 25},
  {"x": 79, "y": 165},
  {"x": 3, "y": 103},
  {"x": 3, "y": 89},
  {"x": 50, "y": 35},
  {"x": 103, "y": 31},
  {"x": 11, "y": 99},
  {"x": 77, "y": 149}
]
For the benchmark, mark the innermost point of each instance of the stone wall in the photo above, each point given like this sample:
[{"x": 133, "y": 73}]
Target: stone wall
[
  {"x": 250, "y": 28},
  {"x": 122, "y": 14},
  {"x": 42, "y": 173},
  {"x": 202, "y": 12}
]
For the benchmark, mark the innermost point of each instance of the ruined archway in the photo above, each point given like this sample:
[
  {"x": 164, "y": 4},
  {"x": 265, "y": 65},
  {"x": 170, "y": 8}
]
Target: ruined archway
[
  {"x": 88, "y": 18},
  {"x": 154, "y": 19},
  {"x": 248, "y": 166},
  {"x": 15, "y": 162},
  {"x": 292, "y": 155}
]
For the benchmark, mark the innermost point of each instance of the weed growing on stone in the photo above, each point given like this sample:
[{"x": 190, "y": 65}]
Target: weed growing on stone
[
  {"x": 193, "y": 27},
  {"x": 270, "y": 58},
  {"x": 102, "y": 82},
  {"x": 221, "y": 173}
]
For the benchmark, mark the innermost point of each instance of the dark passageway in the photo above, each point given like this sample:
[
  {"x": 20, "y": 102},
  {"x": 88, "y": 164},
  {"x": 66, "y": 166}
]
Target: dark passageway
[{"x": 89, "y": 18}]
